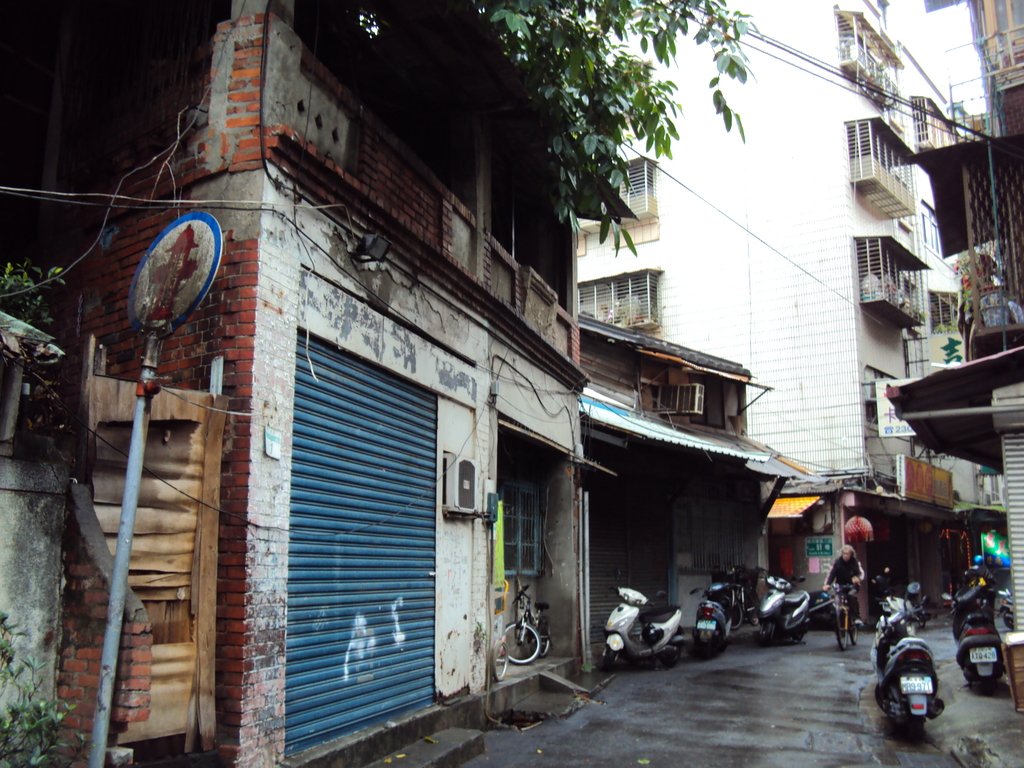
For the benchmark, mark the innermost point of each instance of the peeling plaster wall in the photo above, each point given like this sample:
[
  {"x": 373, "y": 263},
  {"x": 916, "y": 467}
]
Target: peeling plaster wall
[{"x": 32, "y": 497}]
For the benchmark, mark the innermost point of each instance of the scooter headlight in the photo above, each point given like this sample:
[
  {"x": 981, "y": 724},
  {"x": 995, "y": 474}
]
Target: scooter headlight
[{"x": 615, "y": 642}]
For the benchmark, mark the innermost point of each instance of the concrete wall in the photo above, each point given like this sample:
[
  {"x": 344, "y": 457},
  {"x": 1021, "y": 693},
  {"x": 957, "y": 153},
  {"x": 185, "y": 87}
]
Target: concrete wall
[{"x": 32, "y": 497}]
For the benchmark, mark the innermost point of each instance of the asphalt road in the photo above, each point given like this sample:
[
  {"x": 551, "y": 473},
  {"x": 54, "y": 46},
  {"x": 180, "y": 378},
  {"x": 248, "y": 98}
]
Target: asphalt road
[{"x": 787, "y": 705}]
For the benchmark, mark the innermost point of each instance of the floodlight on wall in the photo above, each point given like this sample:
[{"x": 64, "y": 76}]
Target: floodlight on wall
[{"x": 371, "y": 250}]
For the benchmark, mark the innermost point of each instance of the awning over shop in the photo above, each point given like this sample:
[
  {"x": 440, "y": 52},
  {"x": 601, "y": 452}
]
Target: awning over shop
[
  {"x": 792, "y": 506},
  {"x": 951, "y": 410}
]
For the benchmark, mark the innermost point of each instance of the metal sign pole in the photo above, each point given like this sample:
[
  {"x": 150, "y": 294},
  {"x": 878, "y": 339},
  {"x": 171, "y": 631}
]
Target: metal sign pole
[{"x": 147, "y": 387}]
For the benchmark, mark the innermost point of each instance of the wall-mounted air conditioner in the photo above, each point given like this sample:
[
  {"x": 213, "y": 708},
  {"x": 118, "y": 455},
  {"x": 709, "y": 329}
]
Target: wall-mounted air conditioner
[{"x": 459, "y": 484}]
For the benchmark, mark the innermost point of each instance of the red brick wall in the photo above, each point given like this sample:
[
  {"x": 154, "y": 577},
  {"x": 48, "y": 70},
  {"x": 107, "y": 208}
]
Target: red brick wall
[{"x": 86, "y": 595}]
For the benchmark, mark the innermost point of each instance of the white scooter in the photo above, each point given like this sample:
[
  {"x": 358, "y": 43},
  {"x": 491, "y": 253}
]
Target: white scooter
[{"x": 652, "y": 633}]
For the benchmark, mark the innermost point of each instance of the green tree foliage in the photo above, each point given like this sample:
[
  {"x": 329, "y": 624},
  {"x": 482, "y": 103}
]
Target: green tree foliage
[
  {"x": 30, "y": 726},
  {"x": 580, "y": 64},
  {"x": 21, "y": 292}
]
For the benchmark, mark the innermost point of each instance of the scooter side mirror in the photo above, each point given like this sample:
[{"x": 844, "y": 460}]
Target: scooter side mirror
[
  {"x": 695, "y": 590},
  {"x": 946, "y": 596}
]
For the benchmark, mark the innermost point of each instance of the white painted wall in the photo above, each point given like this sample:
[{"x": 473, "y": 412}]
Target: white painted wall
[{"x": 756, "y": 238}]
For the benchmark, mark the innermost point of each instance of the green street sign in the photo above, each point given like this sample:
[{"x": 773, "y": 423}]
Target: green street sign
[{"x": 819, "y": 546}]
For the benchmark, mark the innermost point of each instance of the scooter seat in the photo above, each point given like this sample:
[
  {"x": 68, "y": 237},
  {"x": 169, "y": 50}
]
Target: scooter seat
[{"x": 658, "y": 615}]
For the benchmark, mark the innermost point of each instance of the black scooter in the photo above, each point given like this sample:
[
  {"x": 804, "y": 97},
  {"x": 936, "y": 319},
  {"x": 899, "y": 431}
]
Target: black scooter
[
  {"x": 782, "y": 614},
  {"x": 979, "y": 650},
  {"x": 906, "y": 686},
  {"x": 711, "y": 629}
]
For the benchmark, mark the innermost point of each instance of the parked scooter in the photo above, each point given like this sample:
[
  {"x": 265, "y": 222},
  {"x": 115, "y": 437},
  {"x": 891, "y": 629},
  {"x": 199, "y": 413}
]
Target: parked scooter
[
  {"x": 1005, "y": 608},
  {"x": 979, "y": 649},
  {"x": 782, "y": 613},
  {"x": 912, "y": 604},
  {"x": 652, "y": 633},
  {"x": 906, "y": 686},
  {"x": 711, "y": 630},
  {"x": 821, "y": 612}
]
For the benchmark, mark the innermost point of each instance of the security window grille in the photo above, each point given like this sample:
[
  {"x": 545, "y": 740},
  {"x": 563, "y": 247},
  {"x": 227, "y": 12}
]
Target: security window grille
[
  {"x": 629, "y": 301},
  {"x": 886, "y": 283},
  {"x": 523, "y": 528},
  {"x": 942, "y": 311},
  {"x": 714, "y": 529},
  {"x": 639, "y": 191}
]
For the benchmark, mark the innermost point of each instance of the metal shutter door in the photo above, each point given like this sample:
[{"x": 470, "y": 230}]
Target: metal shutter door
[
  {"x": 609, "y": 567},
  {"x": 1013, "y": 472},
  {"x": 361, "y": 546}
]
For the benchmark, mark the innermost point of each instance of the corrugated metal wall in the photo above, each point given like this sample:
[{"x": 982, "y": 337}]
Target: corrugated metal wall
[
  {"x": 1013, "y": 468},
  {"x": 361, "y": 557}
]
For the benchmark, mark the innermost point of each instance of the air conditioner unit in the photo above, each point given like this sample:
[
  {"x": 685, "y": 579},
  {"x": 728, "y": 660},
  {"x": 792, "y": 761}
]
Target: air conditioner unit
[
  {"x": 460, "y": 485},
  {"x": 691, "y": 398},
  {"x": 682, "y": 398}
]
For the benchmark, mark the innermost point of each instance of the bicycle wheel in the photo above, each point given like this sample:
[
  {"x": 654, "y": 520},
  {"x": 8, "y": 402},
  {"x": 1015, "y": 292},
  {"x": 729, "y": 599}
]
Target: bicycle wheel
[
  {"x": 545, "y": 636},
  {"x": 842, "y": 626},
  {"x": 853, "y": 633},
  {"x": 735, "y": 615},
  {"x": 522, "y": 642},
  {"x": 500, "y": 659}
]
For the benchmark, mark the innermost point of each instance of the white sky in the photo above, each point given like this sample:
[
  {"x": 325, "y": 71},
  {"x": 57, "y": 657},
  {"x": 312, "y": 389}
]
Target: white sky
[{"x": 941, "y": 42}]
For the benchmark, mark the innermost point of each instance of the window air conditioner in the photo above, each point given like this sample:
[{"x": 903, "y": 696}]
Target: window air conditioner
[
  {"x": 684, "y": 398},
  {"x": 691, "y": 398}
]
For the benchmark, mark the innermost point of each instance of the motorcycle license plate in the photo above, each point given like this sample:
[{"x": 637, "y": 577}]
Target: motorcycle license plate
[
  {"x": 708, "y": 624},
  {"x": 916, "y": 684},
  {"x": 983, "y": 655}
]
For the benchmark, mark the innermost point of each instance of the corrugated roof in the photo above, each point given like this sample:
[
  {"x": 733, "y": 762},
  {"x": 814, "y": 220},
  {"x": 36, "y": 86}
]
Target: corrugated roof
[{"x": 644, "y": 342}]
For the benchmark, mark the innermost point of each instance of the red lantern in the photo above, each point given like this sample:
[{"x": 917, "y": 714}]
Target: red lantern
[{"x": 858, "y": 529}]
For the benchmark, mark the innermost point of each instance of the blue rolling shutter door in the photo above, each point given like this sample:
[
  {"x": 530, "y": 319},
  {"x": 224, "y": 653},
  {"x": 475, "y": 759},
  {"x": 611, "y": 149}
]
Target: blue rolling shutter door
[{"x": 360, "y": 643}]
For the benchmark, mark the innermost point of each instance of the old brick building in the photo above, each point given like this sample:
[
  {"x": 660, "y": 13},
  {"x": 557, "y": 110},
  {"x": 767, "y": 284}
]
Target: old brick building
[{"x": 390, "y": 342}]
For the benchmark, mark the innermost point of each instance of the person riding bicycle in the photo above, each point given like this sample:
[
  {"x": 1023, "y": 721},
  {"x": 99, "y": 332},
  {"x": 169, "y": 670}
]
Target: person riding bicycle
[{"x": 846, "y": 571}]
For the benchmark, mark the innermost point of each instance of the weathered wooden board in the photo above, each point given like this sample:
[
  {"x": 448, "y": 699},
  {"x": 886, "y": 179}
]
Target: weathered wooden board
[
  {"x": 173, "y": 564},
  {"x": 173, "y": 671}
]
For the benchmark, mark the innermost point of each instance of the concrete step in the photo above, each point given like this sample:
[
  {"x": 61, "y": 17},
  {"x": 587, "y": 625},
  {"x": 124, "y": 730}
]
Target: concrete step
[
  {"x": 472, "y": 712},
  {"x": 449, "y": 748}
]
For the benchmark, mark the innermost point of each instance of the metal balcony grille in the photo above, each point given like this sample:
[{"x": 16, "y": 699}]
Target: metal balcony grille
[
  {"x": 640, "y": 191},
  {"x": 879, "y": 166},
  {"x": 629, "y": 301},
  {"x": 867, "y": 58},
  {"x": 890, "y": 281}
]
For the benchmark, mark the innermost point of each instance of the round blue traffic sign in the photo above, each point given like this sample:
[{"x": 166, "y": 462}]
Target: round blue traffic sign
[{"x": 175, "y": 274}]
